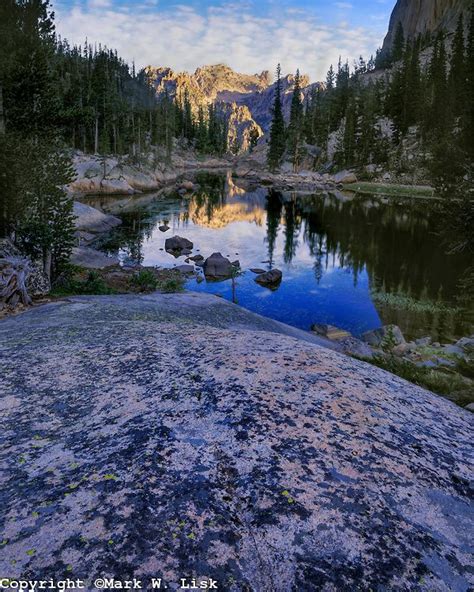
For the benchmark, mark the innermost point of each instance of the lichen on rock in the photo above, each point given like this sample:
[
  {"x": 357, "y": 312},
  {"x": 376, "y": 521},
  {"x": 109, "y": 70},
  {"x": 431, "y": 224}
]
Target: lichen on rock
[{"x": 180, "y": 434}]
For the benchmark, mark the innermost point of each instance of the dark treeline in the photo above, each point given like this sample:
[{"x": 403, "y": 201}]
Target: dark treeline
[
  {"x": 434, "y": 100},
  {"x": 54, "y": 98},
  {"x": 89, "y": 94}
]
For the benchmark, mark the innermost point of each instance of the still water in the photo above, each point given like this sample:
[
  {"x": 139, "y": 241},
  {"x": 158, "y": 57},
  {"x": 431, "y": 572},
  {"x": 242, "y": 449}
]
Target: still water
[{"x": 353, "y": 261}]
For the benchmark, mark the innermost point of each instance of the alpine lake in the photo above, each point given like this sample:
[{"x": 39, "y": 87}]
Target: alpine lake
[{"x": 355, "y": 261}]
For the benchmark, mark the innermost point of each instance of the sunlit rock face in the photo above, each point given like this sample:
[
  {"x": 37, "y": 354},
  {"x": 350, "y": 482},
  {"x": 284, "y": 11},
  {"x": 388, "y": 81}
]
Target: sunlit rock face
[
  {"x": 221, "y": 83},
  {"x": 425, "y": 16},
  {"x": 209, "y": 83},
  {"x": 246, "y": 99},
  {"x": 167, "y": 435},
  {"x": 217, "y": 84}
]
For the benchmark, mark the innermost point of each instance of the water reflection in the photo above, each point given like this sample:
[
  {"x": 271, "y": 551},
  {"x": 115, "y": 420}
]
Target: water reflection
[{"x": 355, "y": 262}]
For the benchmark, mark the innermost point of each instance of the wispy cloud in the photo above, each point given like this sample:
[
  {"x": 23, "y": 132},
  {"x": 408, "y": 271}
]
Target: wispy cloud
[{"x": 185, "y": 38}]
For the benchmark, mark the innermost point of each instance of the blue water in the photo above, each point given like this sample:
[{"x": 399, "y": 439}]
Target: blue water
[
  {"x": 301, "y": 300},
  {"x": 334, "y": 252}
]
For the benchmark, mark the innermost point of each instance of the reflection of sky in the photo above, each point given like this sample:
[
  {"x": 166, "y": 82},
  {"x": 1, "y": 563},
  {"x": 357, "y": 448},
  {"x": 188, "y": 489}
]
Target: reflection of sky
[{"x": 300, "y": 300}]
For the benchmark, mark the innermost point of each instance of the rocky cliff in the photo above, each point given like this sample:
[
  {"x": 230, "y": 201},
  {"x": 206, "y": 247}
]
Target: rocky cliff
[
  {"x": 217, "y": 84},
  {"x": 209, "y": 83},
  {"x": 249, "y": 97},
  {"x": 260, "y": 103},
  {"x": 424, "y": 16}
]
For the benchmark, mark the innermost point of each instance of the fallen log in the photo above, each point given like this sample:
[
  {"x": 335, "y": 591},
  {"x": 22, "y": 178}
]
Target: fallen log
[{"x": 13, "y": 275}]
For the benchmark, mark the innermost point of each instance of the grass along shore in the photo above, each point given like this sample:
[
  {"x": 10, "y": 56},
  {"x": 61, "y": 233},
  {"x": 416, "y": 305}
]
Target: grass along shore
[{"x": 391, "y": 190}]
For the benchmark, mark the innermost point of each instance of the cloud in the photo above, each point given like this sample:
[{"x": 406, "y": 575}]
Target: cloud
[
  {"x": 184, "y": 38},
  {"x": 343, "y": 5},
  {"x": 100, "y": 3}
]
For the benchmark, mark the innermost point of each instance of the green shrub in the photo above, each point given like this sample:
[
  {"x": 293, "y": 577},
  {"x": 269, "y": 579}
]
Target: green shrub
[
  {"x": 69, "y": 285},
  {"x": 145, "y": 281},
  {"x": 438, "y": 380},
  {"x": 171, "y": 284}
]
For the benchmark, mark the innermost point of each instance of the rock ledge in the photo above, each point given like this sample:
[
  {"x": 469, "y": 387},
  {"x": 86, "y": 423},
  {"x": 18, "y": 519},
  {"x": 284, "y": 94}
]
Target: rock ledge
[{"x": 180, "y": 435}]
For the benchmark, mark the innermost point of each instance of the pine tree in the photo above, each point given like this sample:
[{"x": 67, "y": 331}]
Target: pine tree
[
  {"x": 188, "y": 127},
  {"x": 46, "y": 228},
  {"x": 295, "y": 127},
  {"x": 468, "y": 110},
  {"x": 398, "y": 46},
  {"x": 330, "y": 78},
  {"x": 201, "y": 131},
  {"x": 458, "y": 74},
  {"x": 277, "y": 142}
]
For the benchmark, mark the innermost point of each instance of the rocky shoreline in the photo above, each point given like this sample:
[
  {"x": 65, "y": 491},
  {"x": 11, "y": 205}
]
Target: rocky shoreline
[{"x": 110, "y": 175}]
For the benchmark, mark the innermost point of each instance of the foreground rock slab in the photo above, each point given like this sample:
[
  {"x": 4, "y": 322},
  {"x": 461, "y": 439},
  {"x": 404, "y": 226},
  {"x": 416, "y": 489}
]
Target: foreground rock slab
[{"x": 179, "y": 435}]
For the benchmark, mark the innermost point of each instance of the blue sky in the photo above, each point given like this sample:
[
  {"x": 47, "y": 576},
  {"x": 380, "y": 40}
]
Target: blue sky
[{"x": 250, "y": 36}]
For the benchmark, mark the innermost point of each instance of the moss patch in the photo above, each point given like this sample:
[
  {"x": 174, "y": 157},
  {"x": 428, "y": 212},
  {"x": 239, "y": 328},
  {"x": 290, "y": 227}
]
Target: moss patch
[
  {"x": 444, "y": 381},
  {"x": 391, "y": 190}
]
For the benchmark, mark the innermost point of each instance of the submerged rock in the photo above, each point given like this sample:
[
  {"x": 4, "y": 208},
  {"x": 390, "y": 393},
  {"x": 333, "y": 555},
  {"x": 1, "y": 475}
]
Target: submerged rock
[
  {"x": 188, "y": 436},
  {"x": 257, "y": 270}
]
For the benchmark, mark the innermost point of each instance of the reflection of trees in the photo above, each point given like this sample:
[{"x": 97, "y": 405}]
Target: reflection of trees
[
  {"x": 395, "y": 242},
  {"x": 273, "y": 222},
  {"x": 206, "y": 201},
  {"x": 129, "y": 237},
  {"x": 292, "y": 228}
]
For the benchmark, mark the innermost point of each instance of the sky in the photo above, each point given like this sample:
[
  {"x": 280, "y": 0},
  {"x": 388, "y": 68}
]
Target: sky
[{"x": 249, "y": 36}]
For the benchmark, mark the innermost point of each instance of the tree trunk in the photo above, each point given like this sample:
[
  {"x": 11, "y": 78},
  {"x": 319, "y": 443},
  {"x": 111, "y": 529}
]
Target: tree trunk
[
  {"x": 2, "y": 115},
  {"x": 47, "y": 263},
  {"x": 96, "y": 136},
  {"x": 115, "y": 138}
]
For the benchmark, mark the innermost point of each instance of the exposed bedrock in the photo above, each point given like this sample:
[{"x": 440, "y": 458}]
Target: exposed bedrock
[{"x": 180, "y": 435}]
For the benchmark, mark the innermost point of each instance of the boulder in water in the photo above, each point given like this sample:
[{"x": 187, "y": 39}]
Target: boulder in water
[
  {"x": 270, "y": 279},
  {"x": 178, "y": 243},
  {"x": 218, "y": 267}
]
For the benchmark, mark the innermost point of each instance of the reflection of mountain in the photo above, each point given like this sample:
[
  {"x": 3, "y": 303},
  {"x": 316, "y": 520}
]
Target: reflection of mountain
[
  {"x": 395, "y": 245},
  {"x": 225, "y": 214}
]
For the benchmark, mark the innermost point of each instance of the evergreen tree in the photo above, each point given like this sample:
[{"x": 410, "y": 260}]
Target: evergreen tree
[
  {"x": 277, "y": 142},
  {"x": 295, "y": 127},
  {"x": 398, "y": 46},
  {"x": 468, "y": 110},
  {"x": 458, "y": 74},
  {"x": 201, "y": 131},
  {"x": 330, "y": 78},
  {"x": 46, "y": 228}
]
